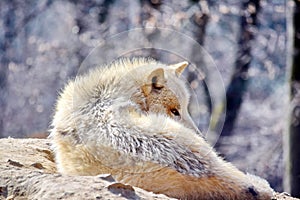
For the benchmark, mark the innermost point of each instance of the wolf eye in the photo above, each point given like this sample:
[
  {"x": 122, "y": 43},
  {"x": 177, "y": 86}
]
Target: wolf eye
[{"x": 175, "y": 112}]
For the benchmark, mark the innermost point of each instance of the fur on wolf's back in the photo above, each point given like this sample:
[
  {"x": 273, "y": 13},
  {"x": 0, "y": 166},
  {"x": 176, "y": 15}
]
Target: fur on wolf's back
[{"x": 111, "y": 74}]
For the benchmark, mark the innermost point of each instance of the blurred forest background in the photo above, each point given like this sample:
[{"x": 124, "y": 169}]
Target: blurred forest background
[{"x": 44, "y": 42}]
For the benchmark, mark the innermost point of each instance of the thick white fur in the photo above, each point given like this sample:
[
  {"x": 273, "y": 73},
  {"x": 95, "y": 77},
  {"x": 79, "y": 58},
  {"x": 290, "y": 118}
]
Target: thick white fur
[{"x": 97, "y": 129}]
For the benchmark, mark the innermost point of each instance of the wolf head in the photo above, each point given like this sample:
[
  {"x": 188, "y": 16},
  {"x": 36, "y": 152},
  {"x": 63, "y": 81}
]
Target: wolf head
[{"x": 161, "y": 90}]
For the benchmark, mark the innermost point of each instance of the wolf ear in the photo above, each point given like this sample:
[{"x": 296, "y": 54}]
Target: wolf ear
[
  {"x": 179, "y": 67},
  {"x": 155, "y": 80}
]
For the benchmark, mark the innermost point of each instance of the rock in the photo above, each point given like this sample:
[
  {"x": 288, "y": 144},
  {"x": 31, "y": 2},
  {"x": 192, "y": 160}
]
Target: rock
[
  {"x": 27, "y": 171},
  {"x": 122, "y": 190},
  {"x": 283, "y": 196}
]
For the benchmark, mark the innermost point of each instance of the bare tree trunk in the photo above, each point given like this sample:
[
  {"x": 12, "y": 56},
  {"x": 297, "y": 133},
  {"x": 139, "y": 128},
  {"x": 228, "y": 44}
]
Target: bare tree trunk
[
  {"x": 3, "y": 72},
  {"x": 201, "y": 19},
  {"x": 9, "y": 36},
  {"x": 292, "y": 179},
  {"x": 239, "y": 81}
]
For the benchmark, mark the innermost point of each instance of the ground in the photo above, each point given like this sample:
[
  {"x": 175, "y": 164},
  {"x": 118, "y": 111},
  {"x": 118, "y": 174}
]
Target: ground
[{"x": 28, "y": 172}]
